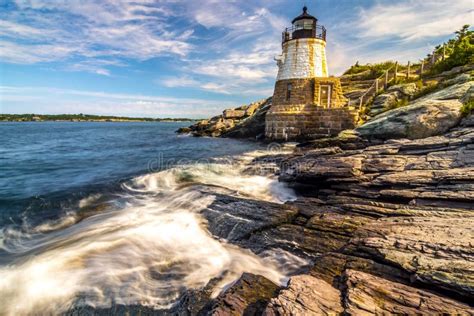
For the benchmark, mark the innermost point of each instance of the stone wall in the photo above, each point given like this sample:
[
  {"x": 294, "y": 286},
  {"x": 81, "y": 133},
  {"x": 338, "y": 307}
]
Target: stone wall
[
  {"x": 303, "y": 58},
  {"x": 306, "y": 91},
  {"x": 309, "y": 123},
  {"x": 302, "y": 92}
]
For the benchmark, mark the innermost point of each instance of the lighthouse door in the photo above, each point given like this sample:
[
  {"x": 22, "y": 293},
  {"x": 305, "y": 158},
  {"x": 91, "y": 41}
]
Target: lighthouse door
[{"x": 325, "y": 96}]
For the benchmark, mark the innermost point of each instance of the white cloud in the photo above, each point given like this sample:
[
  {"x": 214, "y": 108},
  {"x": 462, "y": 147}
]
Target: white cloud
[
  {"x": 97, "y": 66},
  {"x": 12, "y": 29},
  {"x": 226, "y": 87},
  {"x": 60, "y": 30},
  {"x": 215, "y": 87},
  {"x": 412, "y": 20},
  {"x": 181, "y": 81},
  {"x": 34, "y": 53},
  {"x": 187, "y": 81},
  {"x": 239, "y": 73}
]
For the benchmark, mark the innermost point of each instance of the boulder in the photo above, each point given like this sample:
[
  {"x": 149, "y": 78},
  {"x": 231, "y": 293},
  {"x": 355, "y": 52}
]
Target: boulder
[
  {"x": 254, "y": 125},
  {"x": 233, "y": 114},
  {"x": 456, "y": 70},
  {"x": 370, "y": 295},
  {"x": 252, "y": 108},
  {"x": 406, "y": 89},
  {"x": 462, "y": 78},
  {"x": 306, "y": 295},
  {"x": 184, "y": 130},
  {"x": 423, "y": 118},
  {"x": 456, "y": 91},
  {"x": 384, "y": 102}
]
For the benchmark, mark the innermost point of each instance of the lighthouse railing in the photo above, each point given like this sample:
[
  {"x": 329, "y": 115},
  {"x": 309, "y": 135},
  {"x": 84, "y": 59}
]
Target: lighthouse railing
[{"x": 313, "y": 31}]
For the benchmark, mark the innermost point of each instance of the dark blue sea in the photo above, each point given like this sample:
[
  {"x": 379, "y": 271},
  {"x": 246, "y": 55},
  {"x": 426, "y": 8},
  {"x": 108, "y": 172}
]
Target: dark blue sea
[
  {"x": 46, "y": 162},
  {"x": 98, "y": 213}
]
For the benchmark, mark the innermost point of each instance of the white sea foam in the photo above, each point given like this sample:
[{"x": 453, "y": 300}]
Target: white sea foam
[
  {"x": 227, "y": 174},
  {"x": 144, "y": 253},
  {"x": 88, "y": 200}
]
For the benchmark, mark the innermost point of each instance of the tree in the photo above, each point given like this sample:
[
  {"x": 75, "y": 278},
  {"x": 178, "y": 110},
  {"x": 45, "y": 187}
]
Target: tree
[
  {"x": 460, "y": 51},
  {"x": 463, "y": 32}
]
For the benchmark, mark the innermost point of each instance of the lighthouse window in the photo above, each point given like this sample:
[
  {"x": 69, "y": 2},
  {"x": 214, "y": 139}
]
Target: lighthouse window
[
  {"x": 306, "y": 24},
  {"x": 288, "y": 91}
]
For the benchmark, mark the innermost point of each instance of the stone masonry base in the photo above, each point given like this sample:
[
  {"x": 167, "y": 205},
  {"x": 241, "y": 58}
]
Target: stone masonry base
[{"x": 317, "y": 123}]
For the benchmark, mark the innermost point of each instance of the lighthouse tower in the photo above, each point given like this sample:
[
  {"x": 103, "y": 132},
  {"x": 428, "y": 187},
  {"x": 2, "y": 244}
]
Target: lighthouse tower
[
  {"x": 307, "y": 103},
  {"x": 304, "y": 49}
]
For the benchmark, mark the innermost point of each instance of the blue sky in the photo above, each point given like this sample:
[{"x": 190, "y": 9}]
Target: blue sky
[{"x": 190, "y": 58}]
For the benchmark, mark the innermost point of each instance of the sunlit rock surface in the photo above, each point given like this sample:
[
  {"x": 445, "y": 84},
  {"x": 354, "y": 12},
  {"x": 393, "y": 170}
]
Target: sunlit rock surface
[
  {"x": 368, "y": 294},
  {"x": 247, "y": 121},
  {"x": 306, "y": 295}
]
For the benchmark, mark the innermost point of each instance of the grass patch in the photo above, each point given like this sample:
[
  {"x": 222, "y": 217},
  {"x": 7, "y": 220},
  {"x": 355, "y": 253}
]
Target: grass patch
[
  {"x": 374, "y": 70},
  {"x": 424, "y": 90}
]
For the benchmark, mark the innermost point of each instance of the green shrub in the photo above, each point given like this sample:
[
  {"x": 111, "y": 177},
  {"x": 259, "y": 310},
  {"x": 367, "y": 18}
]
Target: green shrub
[
  {"x": 400, "y": 103},
  {"x": 467, "y": 108}
]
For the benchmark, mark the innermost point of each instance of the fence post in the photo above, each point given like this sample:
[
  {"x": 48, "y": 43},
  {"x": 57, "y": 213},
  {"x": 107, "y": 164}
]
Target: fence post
[
  {"x": 408, "y": 70},
  {"x": 396, "y": 70},
  {"x": 444, "y": 50},
  {"x": 376, "y": 85},
  {"x": 360, "y": 104},
  {"x": 386, "y": 80},
  {"x": 433, "y": 57},
  {"x": 422, "y": 67}
]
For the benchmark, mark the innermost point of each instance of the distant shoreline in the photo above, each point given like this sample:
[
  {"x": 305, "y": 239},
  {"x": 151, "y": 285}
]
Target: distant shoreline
[{"x": 83, "y": 118}]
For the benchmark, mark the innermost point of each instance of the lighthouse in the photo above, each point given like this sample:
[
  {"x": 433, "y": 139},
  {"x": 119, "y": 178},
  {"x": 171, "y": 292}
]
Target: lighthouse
[{"x": 307, "y": 103}]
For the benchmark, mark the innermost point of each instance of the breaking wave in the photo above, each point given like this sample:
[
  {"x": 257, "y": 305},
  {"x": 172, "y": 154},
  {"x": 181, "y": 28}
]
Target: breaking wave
[{"x": 146, "y": 246}]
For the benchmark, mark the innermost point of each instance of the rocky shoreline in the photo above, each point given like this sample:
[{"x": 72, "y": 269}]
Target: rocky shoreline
[
  {"x": 383, "y": 220},
  {"x": 387, "y": 228},
  {"x": 384, "y": 216}
]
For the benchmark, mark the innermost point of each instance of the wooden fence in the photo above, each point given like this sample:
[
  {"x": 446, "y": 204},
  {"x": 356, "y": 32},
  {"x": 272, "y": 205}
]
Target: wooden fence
[{"x": 381, "y": 83}]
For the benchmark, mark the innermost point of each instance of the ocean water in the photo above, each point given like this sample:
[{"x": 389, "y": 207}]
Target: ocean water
[{"x": 109, "y": 213}]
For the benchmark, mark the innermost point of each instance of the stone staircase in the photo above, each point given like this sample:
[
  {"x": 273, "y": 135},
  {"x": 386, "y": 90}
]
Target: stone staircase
[{"x": 353, "y": 86}]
